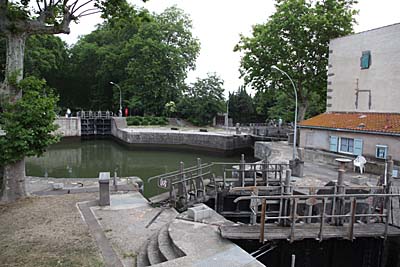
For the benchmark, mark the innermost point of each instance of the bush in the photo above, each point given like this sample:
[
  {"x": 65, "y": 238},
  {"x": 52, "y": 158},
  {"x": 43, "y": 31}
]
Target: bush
[{"x": 148, "y": 120}]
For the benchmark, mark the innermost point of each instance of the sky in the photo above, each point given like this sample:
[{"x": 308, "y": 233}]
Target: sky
[{"x": 219, "y": 23}]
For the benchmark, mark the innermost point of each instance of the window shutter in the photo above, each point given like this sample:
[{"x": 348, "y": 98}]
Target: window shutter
[
  {"x": 358, "y": 147},
  {"x": 333, "y": 143},
  {"x": 365, "y": 60}
]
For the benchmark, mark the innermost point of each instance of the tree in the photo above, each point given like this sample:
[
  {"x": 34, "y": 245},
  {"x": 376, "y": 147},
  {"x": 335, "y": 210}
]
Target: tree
[
  {"x": 19, "y": 20},
  {"x": 203, "y": 100},
  {"x": 29, "y": 124},
  {"x": 296, "y": 39},
  {"x": 162, "y": 53},
  {"x": 148, "y": 55},
  {"x": 241, "y": 106}
]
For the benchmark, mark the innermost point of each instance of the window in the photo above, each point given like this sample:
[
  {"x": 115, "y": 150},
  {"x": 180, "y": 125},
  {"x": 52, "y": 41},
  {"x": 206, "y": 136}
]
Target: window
[
  {"x": 346, "y": 145},
  {"x": 381, "y": 151},
  {"x": 365, "y": 60},
  {"x": 350, "y": 146}
]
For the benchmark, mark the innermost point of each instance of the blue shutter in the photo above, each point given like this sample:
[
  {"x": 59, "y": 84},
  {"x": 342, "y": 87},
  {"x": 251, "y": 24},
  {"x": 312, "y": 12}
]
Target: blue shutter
[
  {"x": 333, "y": 143},
  {"x": 358, "y": 146}
]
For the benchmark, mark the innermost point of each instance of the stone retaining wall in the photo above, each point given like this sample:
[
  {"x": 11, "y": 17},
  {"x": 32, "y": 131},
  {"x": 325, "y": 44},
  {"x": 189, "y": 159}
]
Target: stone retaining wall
[
  {"x": 205, "y": 141},
  {"x": 68, "y": 126}
]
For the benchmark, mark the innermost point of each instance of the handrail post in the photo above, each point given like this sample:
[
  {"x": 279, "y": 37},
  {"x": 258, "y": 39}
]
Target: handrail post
[
  {"x": 353, "y": 217},
  {"x": 242, "y": 168},
  {"x": 199, "y": 180},
  {"x": 262, "y": 220},
  {"x": 293, "y": 219},
  {"x": 181, "y": 178},
  {"x": 321, "y": 228},
  {"x": 341, "y": 202}
]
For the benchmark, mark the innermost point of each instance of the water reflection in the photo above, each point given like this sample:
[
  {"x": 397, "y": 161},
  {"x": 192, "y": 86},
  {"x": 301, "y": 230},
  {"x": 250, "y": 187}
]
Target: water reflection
[{"x": 86, "y": 158}]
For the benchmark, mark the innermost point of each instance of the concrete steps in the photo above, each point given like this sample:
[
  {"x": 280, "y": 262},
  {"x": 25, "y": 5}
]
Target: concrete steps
[{"x": 158, "y": 248}]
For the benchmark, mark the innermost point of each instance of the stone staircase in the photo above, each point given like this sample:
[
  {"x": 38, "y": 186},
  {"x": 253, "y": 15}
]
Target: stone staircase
[{"x": 158, "y": 248}]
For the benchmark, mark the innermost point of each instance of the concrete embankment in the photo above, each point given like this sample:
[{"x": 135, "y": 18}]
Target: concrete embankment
[
  {"x": 68, "y": 126},
  {"x": 163, "y": 137},
  {"x": 157, "y": 137}
]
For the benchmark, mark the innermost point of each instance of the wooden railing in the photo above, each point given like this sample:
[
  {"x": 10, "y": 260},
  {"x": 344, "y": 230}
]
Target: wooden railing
[
  {"x": 333, "y": 209},
  {"x": 190, "y": 183}
]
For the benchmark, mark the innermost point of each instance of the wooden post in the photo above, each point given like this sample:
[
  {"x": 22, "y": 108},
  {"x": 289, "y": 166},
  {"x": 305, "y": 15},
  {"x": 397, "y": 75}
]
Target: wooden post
[
  {"x": 321, "y": 228},
  {"x": 262, "y": 220},
  {"x": 293, "y": 218},
  {"x": 199, "y": 180},
  {"x": 242, "y": 168},
  {"x": 340, "y": 202},
  {"x": 181, "y": 177},
  {"x": 263, "y": 171},
  {"x": 352, "y": 218}
]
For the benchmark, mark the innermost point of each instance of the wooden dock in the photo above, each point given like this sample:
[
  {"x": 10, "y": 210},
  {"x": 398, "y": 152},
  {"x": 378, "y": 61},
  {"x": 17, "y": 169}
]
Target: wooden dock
[{"x": 306, "y": 231}]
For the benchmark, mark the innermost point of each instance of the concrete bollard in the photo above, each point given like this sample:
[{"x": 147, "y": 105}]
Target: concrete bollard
[
  {"x": 238, "y": 128},
  {"x": 104, "y": 189}
]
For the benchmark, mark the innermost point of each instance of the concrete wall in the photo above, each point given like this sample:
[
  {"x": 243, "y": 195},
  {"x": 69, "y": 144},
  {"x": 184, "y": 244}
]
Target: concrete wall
[
  {"x": 314, "y": 139},
  {"x": 205, "y": 141},
  {"x": 382, "y": 78},
  {"x": 68, "y": 126}
]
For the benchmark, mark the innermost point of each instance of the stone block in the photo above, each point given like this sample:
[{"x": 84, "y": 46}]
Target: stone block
[
  {"x": 57, "y": 186},
  {"x": 104, "y": 189},
  {"x": 199, "y": 213}
]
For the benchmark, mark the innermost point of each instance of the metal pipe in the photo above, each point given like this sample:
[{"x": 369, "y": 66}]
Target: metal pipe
[{"x": 120, "y": 98}]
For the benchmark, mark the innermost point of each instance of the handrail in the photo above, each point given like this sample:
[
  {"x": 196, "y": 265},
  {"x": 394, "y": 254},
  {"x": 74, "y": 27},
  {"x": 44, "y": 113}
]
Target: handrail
[
  {"x": 294, "y": 200},
  {"x": 313, "y": 196}
]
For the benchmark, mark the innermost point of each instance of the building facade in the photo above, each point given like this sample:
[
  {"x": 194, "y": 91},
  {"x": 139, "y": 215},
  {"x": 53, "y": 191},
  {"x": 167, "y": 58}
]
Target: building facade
[{"x": 363, "y": 97}]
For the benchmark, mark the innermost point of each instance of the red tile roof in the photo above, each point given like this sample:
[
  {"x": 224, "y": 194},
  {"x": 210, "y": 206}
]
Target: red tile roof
[{"x": 368, "y": 122}]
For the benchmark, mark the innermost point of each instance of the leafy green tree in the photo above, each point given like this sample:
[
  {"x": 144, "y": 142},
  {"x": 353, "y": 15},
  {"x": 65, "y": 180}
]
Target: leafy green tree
[
  {"x": 203, "y": 100},
  {"x": 29, "y": 125},
  {"x": 296, "y": 39},
  {"x": 241, "y": 106},
  {"x": 163, "y": 51},
  {"x": 18, "y": 20},
  {"x": 148, "y": 55}
]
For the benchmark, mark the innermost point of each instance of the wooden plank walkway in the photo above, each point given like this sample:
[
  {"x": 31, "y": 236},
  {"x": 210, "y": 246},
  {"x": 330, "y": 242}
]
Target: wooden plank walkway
[{"x": 306, "y": 231}]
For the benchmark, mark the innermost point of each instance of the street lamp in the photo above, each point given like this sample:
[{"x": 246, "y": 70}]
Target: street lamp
[
  {"x": 295, "y": 111},
  {"x": 120, "y": 99}
]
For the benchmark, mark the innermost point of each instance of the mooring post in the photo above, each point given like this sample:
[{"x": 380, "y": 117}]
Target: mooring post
[
  {"x": 104, "y": 189},
  {"x": 242, "y": 168}
]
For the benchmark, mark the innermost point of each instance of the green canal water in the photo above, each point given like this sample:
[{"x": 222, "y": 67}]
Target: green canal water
[{"x": 79, "y": 158}]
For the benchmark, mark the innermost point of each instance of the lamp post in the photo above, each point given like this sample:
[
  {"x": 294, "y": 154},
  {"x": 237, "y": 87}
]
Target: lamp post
[
  {"x": 295, "y": 111},
  {"x": 120, "y": 99},
  {"x": 227, "y": 116}
]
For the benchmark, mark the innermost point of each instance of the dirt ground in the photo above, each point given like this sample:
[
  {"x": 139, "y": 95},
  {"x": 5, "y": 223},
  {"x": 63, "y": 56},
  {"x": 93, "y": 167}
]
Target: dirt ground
[{"x": 46, "y": 231}]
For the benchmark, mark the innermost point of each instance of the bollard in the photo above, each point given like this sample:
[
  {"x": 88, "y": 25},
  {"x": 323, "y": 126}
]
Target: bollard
[
  {"x": 237, "y": 128},
  {"x": 104, "y": 189}
]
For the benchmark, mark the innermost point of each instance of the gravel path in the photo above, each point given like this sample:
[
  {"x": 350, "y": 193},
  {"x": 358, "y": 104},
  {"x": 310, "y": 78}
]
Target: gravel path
[{"x": 46, "y": 231}]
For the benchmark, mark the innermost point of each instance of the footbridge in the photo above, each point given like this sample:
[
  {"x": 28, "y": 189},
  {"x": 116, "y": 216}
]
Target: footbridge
[{"x": 265, "y": 204}]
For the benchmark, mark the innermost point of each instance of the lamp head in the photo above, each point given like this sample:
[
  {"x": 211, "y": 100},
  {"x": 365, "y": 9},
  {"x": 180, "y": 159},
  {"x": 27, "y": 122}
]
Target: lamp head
[
  {"x": 112, "y": 83},
  {"x": 274, "y": 67}
]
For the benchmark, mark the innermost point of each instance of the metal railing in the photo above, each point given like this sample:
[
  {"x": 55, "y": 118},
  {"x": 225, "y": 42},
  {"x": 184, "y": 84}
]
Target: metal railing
[
  {"x": 333, "y": 209},
  {"x": 94, "y": 114},
  {"x": 190, "y": 183}
]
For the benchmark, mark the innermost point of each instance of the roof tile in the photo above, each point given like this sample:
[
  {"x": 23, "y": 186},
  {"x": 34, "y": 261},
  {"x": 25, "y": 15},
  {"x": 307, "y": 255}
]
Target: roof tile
[{"x": 369, "y": 122}]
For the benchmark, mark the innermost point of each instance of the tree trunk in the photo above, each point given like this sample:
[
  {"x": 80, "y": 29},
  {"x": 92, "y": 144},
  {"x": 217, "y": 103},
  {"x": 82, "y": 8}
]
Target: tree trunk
[
  {"x": 14, "y": 65},
  {"x": 302, "y": 111},
  {"x": 13, "y": 186}
]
